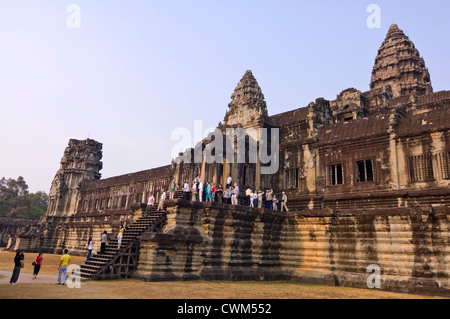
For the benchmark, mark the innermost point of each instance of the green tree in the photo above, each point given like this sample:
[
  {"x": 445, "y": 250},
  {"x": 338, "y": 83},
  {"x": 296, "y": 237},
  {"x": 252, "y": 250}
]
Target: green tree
[{"x": 17, "y": 202}]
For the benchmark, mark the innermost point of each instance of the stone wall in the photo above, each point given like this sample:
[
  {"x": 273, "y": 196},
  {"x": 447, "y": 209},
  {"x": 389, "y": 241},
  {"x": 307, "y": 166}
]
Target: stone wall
[
  {"x": 11, "y": 227},
  {"x": 53, "y": 234},
  {"x": 220, "y": 242}
]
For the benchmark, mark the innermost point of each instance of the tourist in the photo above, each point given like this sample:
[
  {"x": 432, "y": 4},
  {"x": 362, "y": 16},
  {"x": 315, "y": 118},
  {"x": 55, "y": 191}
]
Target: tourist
[
  {"x": 219, "y": 193},
  {"x": 62, "y": 269},
  {"x": 208, "y": 192},
  {"x": 226, "y": 196},
  {"x": 284, "y": 201},
  {"x": 103, "y": 242},
  {"x": 150, "y": 203},
  {"x": 229, "y": 180},
  {"x": 260, "y": 198},
  {"x": 235, "y": 195},
  {"x": 213, "y": 191},
  {"x": 194, "y": 191},
  {"x": 197, "y": 182},
  {"x": 119, "y": 237},
  {"x": 123, "y": 224},
  {"x": 248, "y": 194},
  {"x": 269, "y": 197},
  {"x": 252, "y": 199},
  {"x": 90, "y": 247},
  {"x": 172, "y": 187},
  {"x": 18, "y": 264},
  {"x": 186, "y": 190},
  {"x": 200, "y": 191},
  {"x": 37, "y": 265},
  {"x": 274, "y": 203},
  {"x": 161, "y": 201}
]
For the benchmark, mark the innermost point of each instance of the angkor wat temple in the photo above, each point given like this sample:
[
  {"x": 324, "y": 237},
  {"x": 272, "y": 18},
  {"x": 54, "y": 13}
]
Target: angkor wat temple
[{"x": 368, "y": 172}]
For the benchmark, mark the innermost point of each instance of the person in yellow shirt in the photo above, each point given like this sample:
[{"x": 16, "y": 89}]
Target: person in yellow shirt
[{"x": 63, "y": 264}]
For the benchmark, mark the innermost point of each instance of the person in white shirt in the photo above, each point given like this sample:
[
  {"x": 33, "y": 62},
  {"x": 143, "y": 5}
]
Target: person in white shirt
[
  {"x": 248, "y": 194},
  {"x": 194, "y": 191},
  {"x": 229, "y": 180},
  {"x": 161, "y": 201},
  {"x": 200, "y": 191},
  {"x": 252, "y": 199},
  {"x": 186, "y": 190},
  {"x": 260, "y": 199}
]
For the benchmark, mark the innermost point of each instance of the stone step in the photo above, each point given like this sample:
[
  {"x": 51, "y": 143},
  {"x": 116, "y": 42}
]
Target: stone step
[{"x": 133, "y": 231}]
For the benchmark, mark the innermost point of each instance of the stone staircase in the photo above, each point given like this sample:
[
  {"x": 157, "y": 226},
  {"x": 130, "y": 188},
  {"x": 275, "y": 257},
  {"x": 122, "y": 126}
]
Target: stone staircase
[{"x": 120, "y": 263}]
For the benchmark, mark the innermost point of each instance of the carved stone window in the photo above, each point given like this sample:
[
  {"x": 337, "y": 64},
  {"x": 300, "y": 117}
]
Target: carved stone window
[
  {"x": 138, "y": 198},
  {"x": 123, "y": 201},
  {"x": 335, "y": 175},
  {"x": 291, "y": 178},
  {"x": 365, "y": 171},
  {"x": 444, "y": 160},
  {"x": 421, "y": 168}
]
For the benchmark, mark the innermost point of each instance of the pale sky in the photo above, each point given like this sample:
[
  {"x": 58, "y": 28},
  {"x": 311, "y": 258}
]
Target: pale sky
[{"x": 136, "y": 70}]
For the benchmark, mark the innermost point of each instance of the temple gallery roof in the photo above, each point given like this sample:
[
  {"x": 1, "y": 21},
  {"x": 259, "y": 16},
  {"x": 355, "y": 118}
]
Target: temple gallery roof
[
  {"x": 363, "y": 128},
  {"x": 147, "y": 175},
  {"x": 290, "y": 117}
]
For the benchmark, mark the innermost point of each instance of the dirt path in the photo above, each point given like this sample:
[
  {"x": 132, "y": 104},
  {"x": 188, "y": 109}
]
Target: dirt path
[{"x": 27, "y": 278}]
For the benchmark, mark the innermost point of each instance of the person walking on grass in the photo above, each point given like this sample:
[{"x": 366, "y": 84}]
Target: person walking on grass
[
  {"x": 37, "y": 265},
  {"x": 18, "y": 264},
  {"x": 90, "y": 247},
  {"x": 62, "y": 269}
]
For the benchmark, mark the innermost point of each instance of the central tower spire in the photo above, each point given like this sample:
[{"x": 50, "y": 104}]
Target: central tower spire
[{"x": 247, "y": 104}]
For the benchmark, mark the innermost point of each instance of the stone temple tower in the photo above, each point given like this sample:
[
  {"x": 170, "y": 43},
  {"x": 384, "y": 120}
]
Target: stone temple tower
[
  {"x": 80, "y": 164},
  {"x": 400, "y": 65},
  {"x": 247, "y": 107},
  {"x": 247, "y": 110}
]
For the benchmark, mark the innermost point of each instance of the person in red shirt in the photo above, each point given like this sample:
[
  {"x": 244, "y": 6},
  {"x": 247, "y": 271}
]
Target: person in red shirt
[
  {"x": 37, "y": 265},
  {"x": 213, "y": 191}
]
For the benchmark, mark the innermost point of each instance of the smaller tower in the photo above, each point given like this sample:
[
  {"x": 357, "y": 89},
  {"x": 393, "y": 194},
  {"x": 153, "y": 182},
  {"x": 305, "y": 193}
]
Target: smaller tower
[
  {"x": 80, "y": 163},
  {"x": 400, "y": 65}
]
